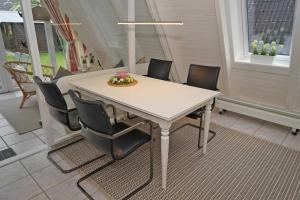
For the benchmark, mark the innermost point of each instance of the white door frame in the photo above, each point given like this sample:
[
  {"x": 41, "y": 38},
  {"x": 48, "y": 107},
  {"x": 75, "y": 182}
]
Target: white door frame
[{"x": 5, "y": 77}]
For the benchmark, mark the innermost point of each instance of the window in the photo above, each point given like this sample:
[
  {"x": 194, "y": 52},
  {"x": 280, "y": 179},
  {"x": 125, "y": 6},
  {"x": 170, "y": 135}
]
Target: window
[{"x": 271, "y": 21}]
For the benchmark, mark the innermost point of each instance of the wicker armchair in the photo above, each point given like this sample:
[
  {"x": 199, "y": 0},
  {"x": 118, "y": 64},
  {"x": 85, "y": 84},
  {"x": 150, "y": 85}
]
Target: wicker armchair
[{"x": 23, "y": 77}]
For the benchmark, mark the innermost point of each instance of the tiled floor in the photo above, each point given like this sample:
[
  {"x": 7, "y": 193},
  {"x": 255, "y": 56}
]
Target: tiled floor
[
  {"x": 10, "y": 95},
  {"x": 35, "y": 178},
  {"x": 19, "y": 143},
  {"x": 10, "y": 138}
]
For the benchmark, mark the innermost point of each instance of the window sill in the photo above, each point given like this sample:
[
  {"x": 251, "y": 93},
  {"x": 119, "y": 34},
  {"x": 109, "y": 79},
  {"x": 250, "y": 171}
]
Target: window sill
[{"x": 275, "y": 66}]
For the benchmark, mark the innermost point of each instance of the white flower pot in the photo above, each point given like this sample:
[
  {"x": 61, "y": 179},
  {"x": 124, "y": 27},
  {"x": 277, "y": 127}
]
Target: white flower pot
[{"x": 260, "y": 59}]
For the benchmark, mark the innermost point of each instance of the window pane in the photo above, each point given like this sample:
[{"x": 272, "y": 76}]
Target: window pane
[{"x": 271, "y": 20}]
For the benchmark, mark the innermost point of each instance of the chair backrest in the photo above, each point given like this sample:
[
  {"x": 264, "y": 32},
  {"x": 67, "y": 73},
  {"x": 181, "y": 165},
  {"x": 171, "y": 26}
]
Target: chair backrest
[
  {"x": 20, "y": 75},
  {"x": 203, "y": 76},
  {"x": 17, "y": 56},
  {"x": 52, "y": 94},
  {"x": 159, "y": 69},
  {"x": 92, "y": 114}
]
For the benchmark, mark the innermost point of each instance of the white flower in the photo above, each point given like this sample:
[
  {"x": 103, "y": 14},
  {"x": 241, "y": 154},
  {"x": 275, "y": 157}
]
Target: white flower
[{"x": 114, "y": 80}]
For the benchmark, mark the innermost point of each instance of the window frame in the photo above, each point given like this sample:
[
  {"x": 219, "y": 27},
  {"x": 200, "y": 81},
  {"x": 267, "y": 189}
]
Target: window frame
[{"x": 278, "y": 60}]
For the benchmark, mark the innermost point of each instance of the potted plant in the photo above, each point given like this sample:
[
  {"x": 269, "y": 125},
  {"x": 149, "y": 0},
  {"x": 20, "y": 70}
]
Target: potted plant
[
  {"x": 92, "y": 58},
  {"x": 264, "y": 52},
  {"x": 84, "y": 62}
]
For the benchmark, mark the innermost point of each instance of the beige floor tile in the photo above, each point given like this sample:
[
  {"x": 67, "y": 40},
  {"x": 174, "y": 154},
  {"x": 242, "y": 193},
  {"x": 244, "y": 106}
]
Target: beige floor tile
[
  {"x": 15, "y": 138},
  {"x": 50, "y": 176},
  {"x": 2, "y": 144},
  {"x": 10, "y": 95},
  {"x": 23, "y": 189},
  {"x": 292, "y": 141},
  {"x": 40, "y": 197},
  {"x": 39, "y": 131},
  {"x": 66, "y": 190},
  {"x": 248, "y": 125},
  {"x": 55, "y": 134},
  {"x": 11, "y": 173},
  {"x": 228, "y": 119},
  {"x": 6, "y": 130},
  {"x": 273, "y": 132},
  {"x": 3, "y": 122},
  {"x": 27, "y": 145},
  {"x": 36, "y": 162}
]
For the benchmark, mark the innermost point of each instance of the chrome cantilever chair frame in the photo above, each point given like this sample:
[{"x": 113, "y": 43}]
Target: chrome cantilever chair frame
[
  {"x": 200, "y": 129},
  {"x": 65, "y": 171},
  {"x": 61, "y": 113},
  {"x": 201, "y": 71},
  {"x": 112, "y": 137}
]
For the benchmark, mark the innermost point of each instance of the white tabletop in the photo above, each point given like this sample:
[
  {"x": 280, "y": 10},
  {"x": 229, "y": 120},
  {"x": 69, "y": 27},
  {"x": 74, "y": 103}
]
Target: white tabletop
[{"x": 163, "y": 99}]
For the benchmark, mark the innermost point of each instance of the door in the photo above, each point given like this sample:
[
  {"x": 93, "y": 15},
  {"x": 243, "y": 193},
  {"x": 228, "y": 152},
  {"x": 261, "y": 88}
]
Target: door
[{"x": 4, "y": 80}]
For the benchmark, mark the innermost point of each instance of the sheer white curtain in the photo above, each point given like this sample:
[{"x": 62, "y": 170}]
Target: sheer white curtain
[{"x": 99, "y": 30}]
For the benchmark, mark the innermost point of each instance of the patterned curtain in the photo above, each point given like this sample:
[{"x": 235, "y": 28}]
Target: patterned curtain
[{"x": 65, "y": 30}]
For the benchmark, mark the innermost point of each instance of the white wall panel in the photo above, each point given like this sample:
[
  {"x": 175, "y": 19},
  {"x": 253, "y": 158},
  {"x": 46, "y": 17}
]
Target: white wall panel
[
  {"x": 195, "y": 42},
  {"x": 297, "y": 100},
  {"x": 263, "y": 88},
  {"x": 148, "y": 44}
]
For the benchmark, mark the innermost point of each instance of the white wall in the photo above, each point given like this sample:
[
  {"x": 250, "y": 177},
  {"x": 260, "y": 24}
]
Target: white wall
[
  {"x": 263, "y": 88},
  {"x": 147, "y": 40},
  {"x": 197, "y": 41}
]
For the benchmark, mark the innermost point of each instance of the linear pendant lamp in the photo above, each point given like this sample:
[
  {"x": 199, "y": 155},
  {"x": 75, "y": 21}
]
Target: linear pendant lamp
[{"x": 178, "y": 23}]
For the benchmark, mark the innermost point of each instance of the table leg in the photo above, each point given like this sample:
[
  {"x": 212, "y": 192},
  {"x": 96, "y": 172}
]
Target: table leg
[
  {"x": 207, "y": 118},
  {"x": 164, "y": 153}
]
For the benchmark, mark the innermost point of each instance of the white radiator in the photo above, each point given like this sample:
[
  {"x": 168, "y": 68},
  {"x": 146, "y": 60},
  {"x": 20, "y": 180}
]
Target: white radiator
[{"x": 263, "y": 112}]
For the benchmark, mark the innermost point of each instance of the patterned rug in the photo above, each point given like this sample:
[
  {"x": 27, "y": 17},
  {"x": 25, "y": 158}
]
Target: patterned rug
[{"x": 236, "y": 166}]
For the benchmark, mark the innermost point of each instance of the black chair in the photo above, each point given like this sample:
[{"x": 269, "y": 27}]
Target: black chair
[
  {"x": 203, "y": 77},
  {"x": 60, "y": 112},
  {"x": 115, "y": 140},
  {"x": 158, "y": 69}
]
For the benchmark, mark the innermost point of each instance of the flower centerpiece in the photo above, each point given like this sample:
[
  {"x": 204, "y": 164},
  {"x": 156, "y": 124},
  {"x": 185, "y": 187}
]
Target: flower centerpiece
[{"x": 122, "y": 78}]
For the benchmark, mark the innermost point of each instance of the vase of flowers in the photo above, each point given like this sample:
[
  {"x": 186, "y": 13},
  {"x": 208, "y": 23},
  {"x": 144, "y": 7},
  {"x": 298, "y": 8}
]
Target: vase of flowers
[{"x": 122, "y": 78}]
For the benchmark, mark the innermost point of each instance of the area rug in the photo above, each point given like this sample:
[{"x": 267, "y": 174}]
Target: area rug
[
  {"x": 236, "y": 166},
  {"x": 22, "y": 120}
]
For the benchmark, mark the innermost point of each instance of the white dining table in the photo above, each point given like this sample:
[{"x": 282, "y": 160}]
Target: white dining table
[{"x": 162, "y": 102}]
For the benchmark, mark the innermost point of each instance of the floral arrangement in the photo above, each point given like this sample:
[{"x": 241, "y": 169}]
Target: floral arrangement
[
  {"x": 122, "y": 78},
  {"x": 265, "y": 49}
]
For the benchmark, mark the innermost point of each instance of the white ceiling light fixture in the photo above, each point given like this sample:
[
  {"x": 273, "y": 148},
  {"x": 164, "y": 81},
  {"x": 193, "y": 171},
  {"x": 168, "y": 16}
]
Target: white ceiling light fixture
[
  {"x": 171, "y": 23},
  {"x": 68, "y": 24}
]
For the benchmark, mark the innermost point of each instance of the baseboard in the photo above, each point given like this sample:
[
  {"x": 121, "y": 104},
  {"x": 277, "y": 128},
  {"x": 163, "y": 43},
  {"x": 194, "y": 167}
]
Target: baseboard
[{"x": 270, "y": 114}]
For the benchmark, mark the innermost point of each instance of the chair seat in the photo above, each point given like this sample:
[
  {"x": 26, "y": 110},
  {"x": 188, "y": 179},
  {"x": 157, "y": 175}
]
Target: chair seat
[
  {"x": 196, "y": 114},
  {"x": 74, "y": 120},
  {"x": 129, "y": 142}
]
